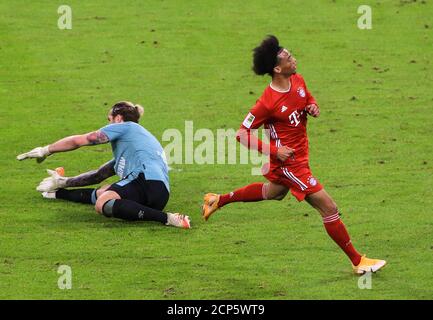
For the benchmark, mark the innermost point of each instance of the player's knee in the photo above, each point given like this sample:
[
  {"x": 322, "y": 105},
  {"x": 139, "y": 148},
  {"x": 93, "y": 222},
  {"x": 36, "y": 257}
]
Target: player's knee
[
  {"x": 331, "y": 208},
  {"x": 101, "y": 190},
  {"x": 105, "y": 207},
  {"x": 99, "y": 205},
  {"x": 279, "y": 197},
  {"x": 274, "y": 193},
  {"x": 98, "y": 209}
]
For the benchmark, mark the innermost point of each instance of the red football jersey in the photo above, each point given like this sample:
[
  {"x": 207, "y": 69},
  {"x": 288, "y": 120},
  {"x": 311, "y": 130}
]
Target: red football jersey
[{"x": 283, "y": 114}]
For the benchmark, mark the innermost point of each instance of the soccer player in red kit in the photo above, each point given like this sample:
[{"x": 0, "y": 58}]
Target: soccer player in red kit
[{"x": 283, "y": 109}]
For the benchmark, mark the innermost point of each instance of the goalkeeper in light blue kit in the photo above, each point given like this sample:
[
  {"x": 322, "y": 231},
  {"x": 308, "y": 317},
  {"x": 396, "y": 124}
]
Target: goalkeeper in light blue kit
[{"x": 139, "y": 161}]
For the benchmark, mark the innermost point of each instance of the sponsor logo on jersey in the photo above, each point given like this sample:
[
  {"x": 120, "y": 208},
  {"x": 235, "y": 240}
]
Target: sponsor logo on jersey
[
  {"x": 248, "y": 121},
  {"x": 294, "y": 118},
  {"x": 301, "y": 92},
  {"x": 312, "y": 181},
  {"x": 283, "y": 108}
]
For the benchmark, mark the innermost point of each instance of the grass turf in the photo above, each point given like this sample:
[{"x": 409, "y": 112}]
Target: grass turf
[{"x": 371, "y": 147}]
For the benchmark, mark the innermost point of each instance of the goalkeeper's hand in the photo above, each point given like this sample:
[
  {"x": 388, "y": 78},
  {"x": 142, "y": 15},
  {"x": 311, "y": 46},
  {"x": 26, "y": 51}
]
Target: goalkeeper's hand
[
  {"x": 40, "y": 153},
  {"x": 52, "y": 183}
]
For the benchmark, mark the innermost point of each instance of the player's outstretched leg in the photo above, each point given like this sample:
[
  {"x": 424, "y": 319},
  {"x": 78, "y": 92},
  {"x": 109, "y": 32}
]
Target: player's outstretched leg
[
  {"x": 83, "y": 195},
  {"x": 338, "y": 232},
  {"x": 110, "y": 205},
  {"x": 250, "y": 193}
]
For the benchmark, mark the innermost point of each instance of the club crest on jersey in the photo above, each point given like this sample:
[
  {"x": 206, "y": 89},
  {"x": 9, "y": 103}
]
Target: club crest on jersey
[
  {"x": 248, "y": 121},
  {"x": 312, "y": 181},
  {"x": 301, "y": 92}
]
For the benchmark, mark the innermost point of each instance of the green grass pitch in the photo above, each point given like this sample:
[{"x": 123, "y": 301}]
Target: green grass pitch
[{"x": 191, "y": 60}]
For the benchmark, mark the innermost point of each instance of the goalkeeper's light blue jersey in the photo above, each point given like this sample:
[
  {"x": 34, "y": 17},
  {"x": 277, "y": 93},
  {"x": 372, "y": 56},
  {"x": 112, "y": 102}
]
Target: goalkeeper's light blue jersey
[{"x": 136, "y": 151}]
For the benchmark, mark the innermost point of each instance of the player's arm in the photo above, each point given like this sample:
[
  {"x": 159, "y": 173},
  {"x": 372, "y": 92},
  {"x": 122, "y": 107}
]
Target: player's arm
[
  {"x": 75, "y": 142},
  {"x": 258, "y": 114},
  {"x": 92, "y": 177},
  {"x": 66, "y": 144},
  {"x": 312, "y": 108},
  {"x": 55, "y": 181},
  {"x": 254, "y": 120}
]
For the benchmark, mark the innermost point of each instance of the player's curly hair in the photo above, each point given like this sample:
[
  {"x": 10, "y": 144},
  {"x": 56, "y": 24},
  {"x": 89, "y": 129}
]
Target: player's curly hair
[
  {"x": 128, "y": 111},
  {"x": 265, "y": 56}
]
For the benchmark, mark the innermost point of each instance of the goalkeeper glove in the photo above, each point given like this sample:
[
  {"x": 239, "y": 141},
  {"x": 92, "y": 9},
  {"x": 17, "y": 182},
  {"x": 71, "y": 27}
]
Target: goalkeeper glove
[
  {"x": 52, "y": 183},
  {"x": 40, "y": 153}
]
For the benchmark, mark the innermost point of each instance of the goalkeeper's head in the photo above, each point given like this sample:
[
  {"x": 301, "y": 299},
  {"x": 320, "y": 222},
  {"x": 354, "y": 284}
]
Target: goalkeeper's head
[
  {"x": 125, "y": 111},
  {"x": 272, "y": 59}
]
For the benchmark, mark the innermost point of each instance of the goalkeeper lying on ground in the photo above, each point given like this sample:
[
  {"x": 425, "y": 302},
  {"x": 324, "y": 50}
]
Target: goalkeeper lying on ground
[{"x": 139, "y": 161}]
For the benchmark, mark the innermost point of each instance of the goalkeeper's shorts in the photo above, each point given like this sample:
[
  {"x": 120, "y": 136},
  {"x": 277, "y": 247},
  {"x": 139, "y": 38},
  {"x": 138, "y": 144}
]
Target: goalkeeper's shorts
[{"x": 150, "y": 193}]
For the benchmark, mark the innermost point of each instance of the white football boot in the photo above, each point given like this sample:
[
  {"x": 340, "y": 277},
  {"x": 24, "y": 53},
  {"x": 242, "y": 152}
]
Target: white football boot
[{"x": 178, "y": 220}]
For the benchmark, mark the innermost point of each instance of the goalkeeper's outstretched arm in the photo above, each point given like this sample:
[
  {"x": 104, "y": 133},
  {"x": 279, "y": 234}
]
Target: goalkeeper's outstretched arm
[
  {"x": 75, "y": 142},
  {"x": 55, "y": 181},
  {"x": 65, "y": 144},
  {"x": 92, "y": 177}
]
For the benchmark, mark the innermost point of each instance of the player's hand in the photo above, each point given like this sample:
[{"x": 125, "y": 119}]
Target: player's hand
[
  {"x": 52, "y": 183},
  {"x": 313, "y": 110},
  {"x": 284, "y": 153},
  {"x": 40, "y": 153}
]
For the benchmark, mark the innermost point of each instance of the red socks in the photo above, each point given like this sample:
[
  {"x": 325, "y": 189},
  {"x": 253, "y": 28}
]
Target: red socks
[
  {"x": 337, "y": 231},
  {"x": 249, "y": 193}
]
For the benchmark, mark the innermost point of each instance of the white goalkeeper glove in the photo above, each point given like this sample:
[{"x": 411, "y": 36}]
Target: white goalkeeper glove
[
  {"x": 52, "y": 183},
  {"x": 40, "y": 153}
]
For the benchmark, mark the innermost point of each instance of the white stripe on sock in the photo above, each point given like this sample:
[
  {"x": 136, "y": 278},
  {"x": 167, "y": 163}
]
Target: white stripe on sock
[{"x": 331, "y": 218}]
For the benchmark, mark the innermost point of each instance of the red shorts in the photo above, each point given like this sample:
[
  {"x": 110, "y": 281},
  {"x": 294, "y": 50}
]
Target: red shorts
[{"x": 300, "y": 180}]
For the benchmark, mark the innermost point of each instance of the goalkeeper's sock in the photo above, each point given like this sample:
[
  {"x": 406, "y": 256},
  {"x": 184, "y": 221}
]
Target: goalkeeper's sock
[
  {"x": 77, "y": 195},
  {"x": 337, "y": 231},
  {"x": 250, "y": 193},
  {"x": 132, "y": 211}
]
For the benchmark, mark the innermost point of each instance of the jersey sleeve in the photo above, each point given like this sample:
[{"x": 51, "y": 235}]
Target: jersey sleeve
[
  {"x": 114, "y": 131},
  {"x": 310, "y": 98},
  {"x": 258, "y": 114}
]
